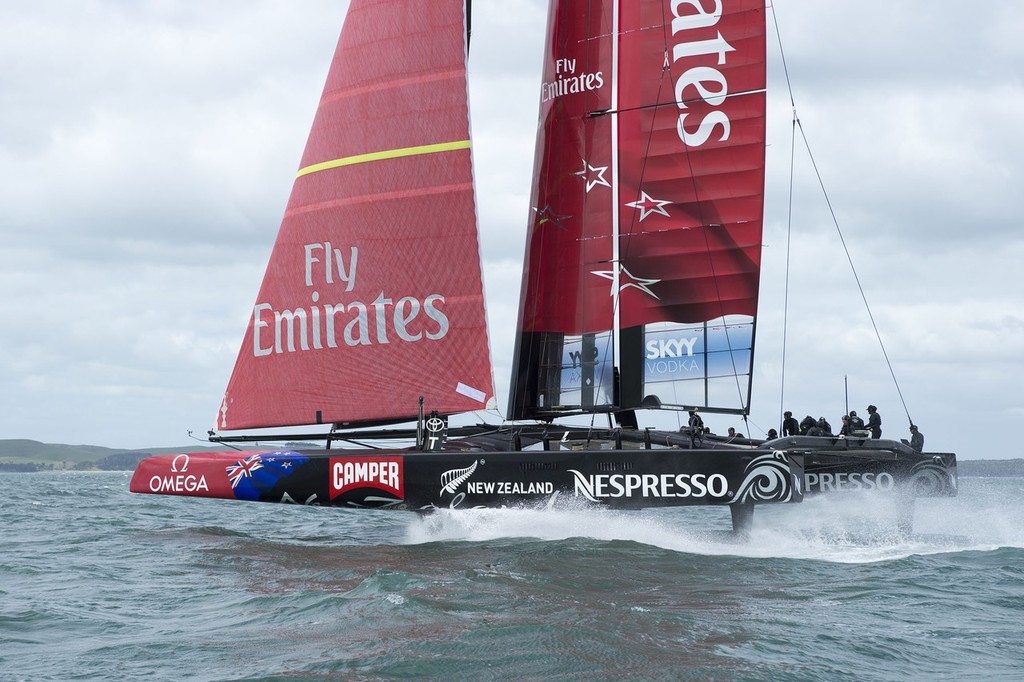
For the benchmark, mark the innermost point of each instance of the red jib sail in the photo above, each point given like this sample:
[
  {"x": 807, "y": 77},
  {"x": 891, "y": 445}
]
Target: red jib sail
[
  {"x": 373, "y": 295},
  {"x": 648, "y": 200}
]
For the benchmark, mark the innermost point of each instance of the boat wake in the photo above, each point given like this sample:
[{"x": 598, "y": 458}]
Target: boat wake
[{"x": 855, "y": 529}]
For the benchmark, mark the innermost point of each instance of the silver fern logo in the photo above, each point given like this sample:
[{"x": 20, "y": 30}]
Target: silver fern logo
[
  {"x": 453, "y": 478},
  {"x": 767, "y": 479}
]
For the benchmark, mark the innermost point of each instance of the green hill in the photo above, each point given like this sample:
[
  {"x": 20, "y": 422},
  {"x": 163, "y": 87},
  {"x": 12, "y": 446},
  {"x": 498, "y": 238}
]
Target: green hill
[
  {"x": 32, "y": 451},
  {"x": 31, "y": 455}
]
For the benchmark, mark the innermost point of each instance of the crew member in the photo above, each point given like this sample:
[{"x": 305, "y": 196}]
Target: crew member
[
  {"x": 844, "y": 430},
  {"x": 916, "y": 439},
  {"x": 790, "y": 426},
  {"x": 874, "y": 422},
  {"x": 696, "y": 425},
  {"x": 856, "y": 423}
]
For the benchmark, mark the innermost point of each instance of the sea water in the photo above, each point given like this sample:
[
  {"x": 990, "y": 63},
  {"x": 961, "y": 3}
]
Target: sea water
[{"x": 97, "y": 583}]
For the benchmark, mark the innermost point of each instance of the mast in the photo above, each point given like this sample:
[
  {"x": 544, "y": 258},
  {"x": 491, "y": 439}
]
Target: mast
[{"x": 616, "y": 262}]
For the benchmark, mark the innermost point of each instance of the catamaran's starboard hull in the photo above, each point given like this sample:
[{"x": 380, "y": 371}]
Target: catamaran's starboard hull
[
  {"x": 417, "y": 480},
  {"x": 931, "y": 476},
  {"x": 847, "y": 465}
]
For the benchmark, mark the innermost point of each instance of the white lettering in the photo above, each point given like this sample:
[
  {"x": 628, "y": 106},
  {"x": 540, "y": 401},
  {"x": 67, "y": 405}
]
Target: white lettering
[
  {"x": 310, "y": 259},
  {"x": 402, "y": 319},
  {"x": 718, "y": 485},
  {"x": 378, "y": 307},
  {"x": 669, "y": 348},
  {"x": 436, "y": 315},
  {"x": 509, "y": 488},
  {"x": 319, "y": 325},
  {"x": 701, "y": 19},
  {"x": 288, "y": 317},
  {"x": 698, "y": 76},
  {"x": 707, "y": 126},
  {"x": 257, "y": 325},
  {"x": 597, "y": 486},
  {"x": 357, "y": 330},
  {"x": 332, "y": 258},
  {"x": 702, "y": 47},
  {"x": 181, "y": 483},
  {"x": 672, "y": 366},
  {"x": 567, "y": 82},
  {"x": 350, "y": 473},
  {"x": 848, "y": 482}
]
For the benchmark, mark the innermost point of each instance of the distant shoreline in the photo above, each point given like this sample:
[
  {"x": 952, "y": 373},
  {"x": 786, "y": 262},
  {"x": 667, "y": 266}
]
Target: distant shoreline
[{"x": 29, "y": 456}]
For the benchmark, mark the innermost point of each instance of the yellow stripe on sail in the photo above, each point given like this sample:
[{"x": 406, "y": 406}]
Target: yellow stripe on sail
[{"x": 386, "y": 154}]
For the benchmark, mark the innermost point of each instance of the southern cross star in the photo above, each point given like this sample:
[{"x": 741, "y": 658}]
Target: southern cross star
[
  {"x": 627, "y": 279},
  {"x": 546, "y": 215},
  {"x": 648, "y": 205},
  {"x": 593, "y": 176}
]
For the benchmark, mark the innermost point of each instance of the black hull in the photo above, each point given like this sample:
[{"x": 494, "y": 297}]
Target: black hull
[
  {"x": 624, "y": 471},
  {"x": 412, "y": 480}
]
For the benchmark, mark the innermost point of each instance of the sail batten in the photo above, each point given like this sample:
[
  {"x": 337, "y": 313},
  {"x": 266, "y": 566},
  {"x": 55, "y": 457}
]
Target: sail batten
[{"x": 384, "y": 155}]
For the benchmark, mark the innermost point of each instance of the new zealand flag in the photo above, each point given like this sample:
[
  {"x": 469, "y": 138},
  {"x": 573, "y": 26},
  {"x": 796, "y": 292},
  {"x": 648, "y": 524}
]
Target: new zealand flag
[{"x": 257, "y": 474}]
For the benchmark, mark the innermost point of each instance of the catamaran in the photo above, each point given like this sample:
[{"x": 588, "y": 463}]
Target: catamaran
[{"x": 640, "y": 284}]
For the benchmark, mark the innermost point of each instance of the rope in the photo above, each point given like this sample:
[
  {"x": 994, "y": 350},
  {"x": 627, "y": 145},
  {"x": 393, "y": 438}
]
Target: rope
[{"x": 835, "y": 221}]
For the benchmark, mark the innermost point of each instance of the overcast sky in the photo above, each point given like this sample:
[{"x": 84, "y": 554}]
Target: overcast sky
[{"x": 147, "y": 149}]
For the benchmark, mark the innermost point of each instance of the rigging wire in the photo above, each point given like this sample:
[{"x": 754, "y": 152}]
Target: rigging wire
[
  {"x": 789, "y": 252},
  {"x": 856, "y": 277},
  {"x": 789, "y": 218},
  {"x": 797, "y": 125}
]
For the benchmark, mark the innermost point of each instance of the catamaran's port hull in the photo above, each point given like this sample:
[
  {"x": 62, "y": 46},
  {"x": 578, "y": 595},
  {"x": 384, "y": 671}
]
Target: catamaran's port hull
[
  {"x": 418, "y": 480},
  {"x": 618, "y": 478}
]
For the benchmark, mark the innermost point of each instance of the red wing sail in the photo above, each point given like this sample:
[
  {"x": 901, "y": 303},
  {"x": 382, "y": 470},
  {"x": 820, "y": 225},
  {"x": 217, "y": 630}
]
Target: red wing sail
[
  {"x": 648, "y": 202},
  {"x": 691, "y": 159},
  {"x": 571, "y": 223},
  {"x": 373, "y": 295}
]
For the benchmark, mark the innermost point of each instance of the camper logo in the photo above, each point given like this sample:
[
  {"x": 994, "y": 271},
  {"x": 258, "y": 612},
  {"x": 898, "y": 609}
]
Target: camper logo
[{"x": 383, "y": 473}]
